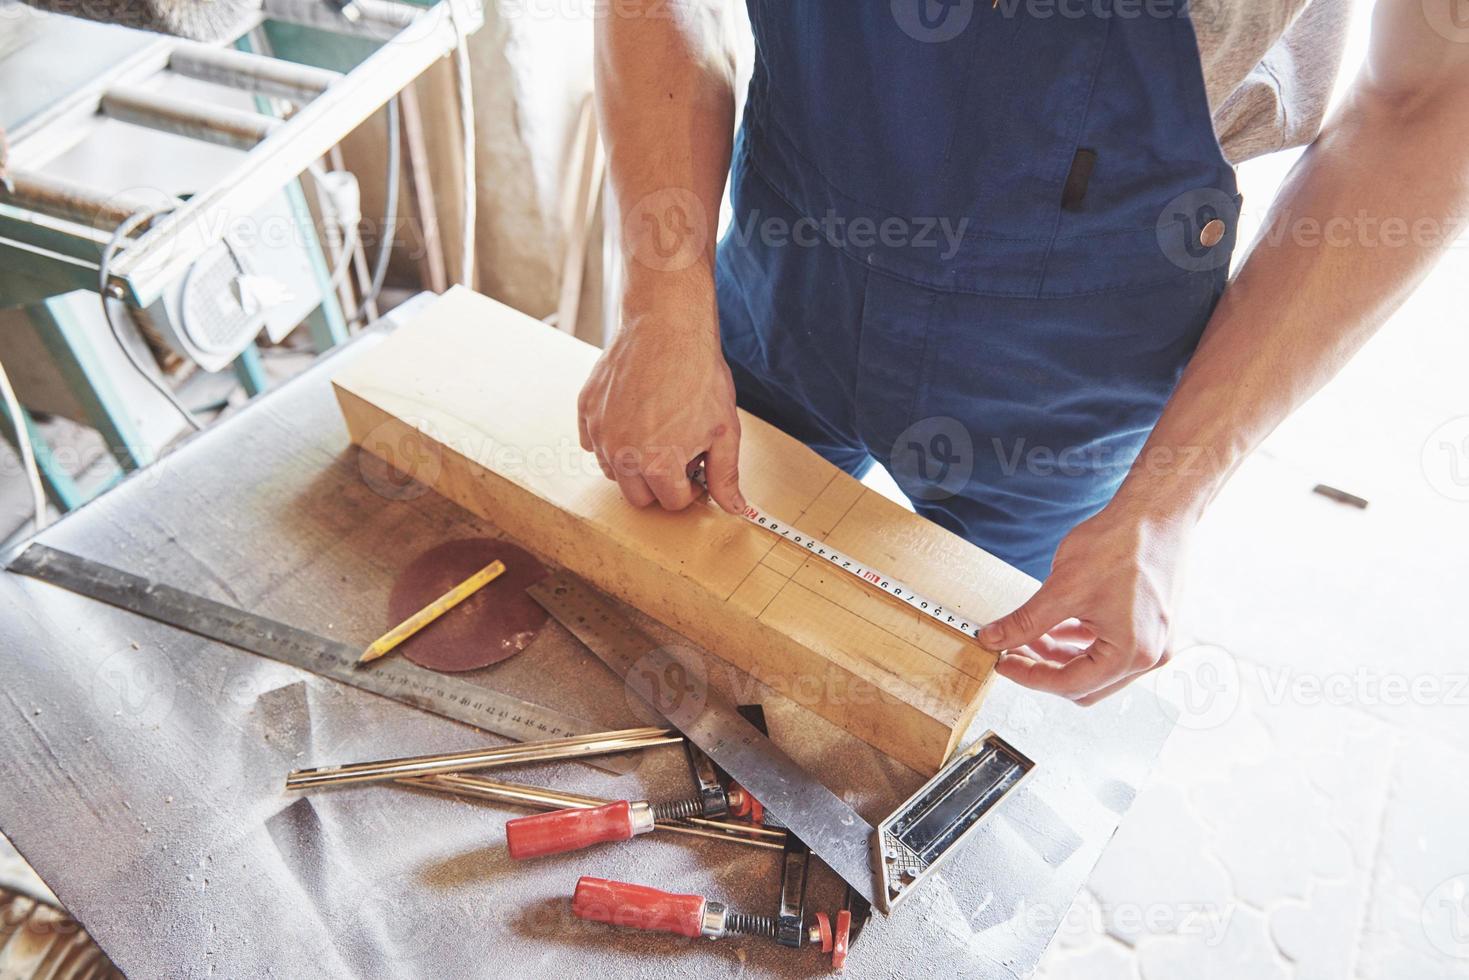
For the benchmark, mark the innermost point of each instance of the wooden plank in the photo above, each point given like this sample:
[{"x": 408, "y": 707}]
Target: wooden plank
[{"x": 479, "y": 402}]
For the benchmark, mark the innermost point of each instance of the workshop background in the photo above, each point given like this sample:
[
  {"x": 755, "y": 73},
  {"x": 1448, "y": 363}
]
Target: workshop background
[{"x": 1306, "y": 818}]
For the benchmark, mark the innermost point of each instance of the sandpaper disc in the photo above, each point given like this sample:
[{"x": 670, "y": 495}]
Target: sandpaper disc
[{"x": 495, "y": 623}]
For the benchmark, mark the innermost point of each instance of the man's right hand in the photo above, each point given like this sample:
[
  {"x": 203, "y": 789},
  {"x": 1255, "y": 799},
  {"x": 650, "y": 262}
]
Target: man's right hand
[{"x": 660, "y": 396}]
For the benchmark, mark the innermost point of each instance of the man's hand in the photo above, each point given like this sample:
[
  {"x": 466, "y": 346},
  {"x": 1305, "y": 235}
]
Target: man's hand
[
  {"x": 1102, "y": 617},
  {"x": 660, "y": 396},
  {"x": 1302, "y": 304}
]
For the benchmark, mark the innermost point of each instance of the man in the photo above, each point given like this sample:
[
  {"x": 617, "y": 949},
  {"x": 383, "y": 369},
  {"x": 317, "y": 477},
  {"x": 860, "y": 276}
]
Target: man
[{"x": 1057, "y": 373}]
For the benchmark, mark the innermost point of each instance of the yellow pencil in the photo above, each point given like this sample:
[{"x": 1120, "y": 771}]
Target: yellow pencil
[{"x": 385, "y": 643}]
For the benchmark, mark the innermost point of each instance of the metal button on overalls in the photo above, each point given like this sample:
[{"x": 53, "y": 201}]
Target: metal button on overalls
[
  {"x": 1212, "y": 233},
  {"x": 975, "y": 243}
]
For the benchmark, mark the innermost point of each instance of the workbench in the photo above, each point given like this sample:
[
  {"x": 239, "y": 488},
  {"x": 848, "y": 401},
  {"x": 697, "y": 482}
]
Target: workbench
[{"x": 141, "y": 768}]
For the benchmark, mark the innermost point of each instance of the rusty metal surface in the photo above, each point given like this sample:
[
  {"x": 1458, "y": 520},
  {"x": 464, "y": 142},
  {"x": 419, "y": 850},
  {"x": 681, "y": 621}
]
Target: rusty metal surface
[{"x": 141, "y": 768}]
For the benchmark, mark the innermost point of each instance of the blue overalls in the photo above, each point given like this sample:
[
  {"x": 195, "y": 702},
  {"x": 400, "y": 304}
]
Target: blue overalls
[{"x": 975, "y": 243}]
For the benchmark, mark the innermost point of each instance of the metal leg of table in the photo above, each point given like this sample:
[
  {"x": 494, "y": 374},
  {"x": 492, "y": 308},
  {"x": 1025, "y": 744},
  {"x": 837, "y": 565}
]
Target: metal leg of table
[
  {"x": 67, "y": 339},
  {"x": 251, "y": 372},
  {"x": 59, "y": 485},
  {"x": 326, "y": 324}
]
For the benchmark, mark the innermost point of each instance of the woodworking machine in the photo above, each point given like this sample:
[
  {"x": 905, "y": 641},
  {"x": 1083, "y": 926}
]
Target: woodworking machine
[{"x": 182, "y": 254}]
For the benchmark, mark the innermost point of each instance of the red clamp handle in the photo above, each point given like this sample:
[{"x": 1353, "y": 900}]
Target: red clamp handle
[
  {"x": 567, "y": 830},
  {"x": 742, "y": 804},
  {"x": 843, "y": 936},
  {"x": 638, "y": 906}
]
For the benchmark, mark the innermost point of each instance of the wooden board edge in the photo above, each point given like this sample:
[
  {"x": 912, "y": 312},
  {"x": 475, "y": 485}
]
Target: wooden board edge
[{"x": 922, "y": 741}]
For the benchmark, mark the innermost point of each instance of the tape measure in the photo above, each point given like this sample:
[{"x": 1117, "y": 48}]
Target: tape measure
[
  {"x": 869, "y": 576},
  {"x": 873, "y": 577}
]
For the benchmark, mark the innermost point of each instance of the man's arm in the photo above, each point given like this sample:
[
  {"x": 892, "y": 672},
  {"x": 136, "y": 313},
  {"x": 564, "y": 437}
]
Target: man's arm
[
  {"x": 661, "y": 394},
  {"x": 1362, "y": 218}
]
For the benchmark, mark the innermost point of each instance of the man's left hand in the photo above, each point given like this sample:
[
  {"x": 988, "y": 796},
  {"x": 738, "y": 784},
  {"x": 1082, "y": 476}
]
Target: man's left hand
[{"x": 1102, "y": 618}]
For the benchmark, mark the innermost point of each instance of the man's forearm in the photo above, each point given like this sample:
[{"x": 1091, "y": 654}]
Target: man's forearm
[
  {"x": 1362, "y": 218},
  {"x": 665, "y": 98},
  {"x": 661, "y": 395}
]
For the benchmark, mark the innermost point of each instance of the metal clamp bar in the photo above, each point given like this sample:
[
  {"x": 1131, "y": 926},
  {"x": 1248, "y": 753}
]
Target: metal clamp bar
[
  {"x": 790, "y": 915},
  {"x": 537, "y": 798},
  {"x": 712, "y": 796},
  {"x": 387, "y": 770}
]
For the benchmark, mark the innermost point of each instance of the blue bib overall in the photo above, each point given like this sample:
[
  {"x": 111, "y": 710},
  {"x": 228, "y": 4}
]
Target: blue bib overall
[{"x": 975, "y": 243}]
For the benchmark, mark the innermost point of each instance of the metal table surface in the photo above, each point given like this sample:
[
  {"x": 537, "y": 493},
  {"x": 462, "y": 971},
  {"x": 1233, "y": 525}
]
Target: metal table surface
[{"x": 141, "y": 768}]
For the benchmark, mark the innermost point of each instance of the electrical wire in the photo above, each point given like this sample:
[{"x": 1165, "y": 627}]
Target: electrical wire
[
  {"x": 390, "y": 213},
  {"x": 104, "y": 289},
  {"x": 27, "y": 450},
  {"x": 471, "y": 182},
  {"x": 466, "y": 124},
  {"x": 345, "y": 237}
]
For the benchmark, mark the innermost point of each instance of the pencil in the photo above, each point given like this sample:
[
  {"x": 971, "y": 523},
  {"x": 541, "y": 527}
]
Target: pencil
[{"x": 385, "y": 643}]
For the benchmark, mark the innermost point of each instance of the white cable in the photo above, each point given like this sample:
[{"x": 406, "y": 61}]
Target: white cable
[
  {"x": 344, "y": 239},
  {"x": 27, "y": 451},
  {"x": 113, "y": 244},
  {"x": 466, "y": 124},
  {"x": 390, "y": 215}
]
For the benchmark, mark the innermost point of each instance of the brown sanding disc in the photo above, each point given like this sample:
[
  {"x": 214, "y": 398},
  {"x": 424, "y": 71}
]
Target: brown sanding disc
[{"x": 495, "y": 623}]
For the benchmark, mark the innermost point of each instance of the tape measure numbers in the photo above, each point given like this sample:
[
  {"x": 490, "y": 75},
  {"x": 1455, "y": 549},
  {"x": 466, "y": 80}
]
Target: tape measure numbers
[{"x": 872, "y": 577}]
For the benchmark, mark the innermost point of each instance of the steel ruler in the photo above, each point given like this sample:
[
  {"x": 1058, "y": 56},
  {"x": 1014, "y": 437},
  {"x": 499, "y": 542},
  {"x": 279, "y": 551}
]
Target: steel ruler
[
  {"x": 393, "y": 678},
  {"x": 831, "y": 828}
]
